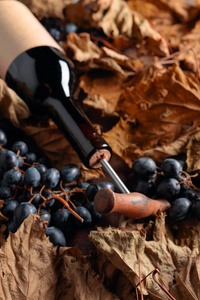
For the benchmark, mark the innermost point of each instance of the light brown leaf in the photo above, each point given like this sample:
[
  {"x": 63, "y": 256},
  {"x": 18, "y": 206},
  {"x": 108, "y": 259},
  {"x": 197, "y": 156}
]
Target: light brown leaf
[
  {"x": 157, "y": 112},
  {"x": 48, "y": 8},
  {"x": 11, "y": 105},
  {"x": 193, "y": 151},
  {"x": 128, "y": 249}
]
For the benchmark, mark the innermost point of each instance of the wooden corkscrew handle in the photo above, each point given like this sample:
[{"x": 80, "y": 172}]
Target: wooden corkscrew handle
[{"x": 133, "y": 205}]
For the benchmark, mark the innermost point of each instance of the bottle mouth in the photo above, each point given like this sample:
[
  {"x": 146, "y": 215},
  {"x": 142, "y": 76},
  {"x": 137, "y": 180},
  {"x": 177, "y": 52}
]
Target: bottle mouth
[{"x": 95, "y": 159}]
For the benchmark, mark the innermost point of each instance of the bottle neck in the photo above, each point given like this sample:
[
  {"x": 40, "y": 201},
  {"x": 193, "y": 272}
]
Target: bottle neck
[{"x": 76, "y": 127}]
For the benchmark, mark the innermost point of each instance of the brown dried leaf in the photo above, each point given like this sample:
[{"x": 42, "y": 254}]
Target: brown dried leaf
[
  {"x": 11, "y": 105},
  {"x": 81, "y": 47},
  {"x": 28, "y": 263},
  {"x": 48, "y": 8},
  {"x": 159, "y": 111},
  {"x": 81, "y": 282},
  {"x": 115, "y": 18},
  {"x": 32, "y": 269},
  {"x": 185, "y": 10},
  {"x": 128, "y": 250},
  {"x": 193, "y": 151}
]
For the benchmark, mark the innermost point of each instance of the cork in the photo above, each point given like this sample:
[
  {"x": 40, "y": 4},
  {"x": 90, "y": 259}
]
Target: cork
[{"x": 20, "y": 31}]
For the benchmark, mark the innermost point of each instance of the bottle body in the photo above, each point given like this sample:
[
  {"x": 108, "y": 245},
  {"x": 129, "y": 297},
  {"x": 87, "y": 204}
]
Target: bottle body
[{"x": 42, "y": 76}]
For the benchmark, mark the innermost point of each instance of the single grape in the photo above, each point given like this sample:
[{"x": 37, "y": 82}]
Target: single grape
[
  {"x": 11, "y": 226},
  {"x": 61, "y": 220},
  {"x": 144, "y": 167},
  {"x": 35, "y": 194},
  {"x": 3, "y": 138},
  {"x": 4, "y": 192},
  {"x": 91, "y": 191},
  {"x": 51, "y": 178},
  {"x": 31, "y": 157},
  {"x": 23, "y": 210},
  {"x": 56, "y": 236},
  {"x": 50, "y": 203},
  {"x": 71, "y": 27},
  {"x": 12, "y": 176},
  {"x": 96, "y": 217},
  {"x": 106, "y": 184},
  {"x": 190, "y": 194},
  {"x": 146, "y": 187},
  {"x": 8, "y": 207},
  {"x": 8, "y": 160},
  {"x": 21, "y": 147},
  {"x": 171, "y": 167},
  {"x": 32, "y": 177},
  {"x": 196, "y": 208},
  {"x": 180, "y": 209},
  {"x": 169, "y": 188},
  {"x": 83, "y": 213},
  {"x": 83, "y": 185},
  {"x": 45, "y": 215},
  {"x": 41, "y": 168},
  {"x": 69, "y": 173}
]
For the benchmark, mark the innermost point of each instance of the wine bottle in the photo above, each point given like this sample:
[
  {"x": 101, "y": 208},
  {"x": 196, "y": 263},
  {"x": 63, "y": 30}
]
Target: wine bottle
[{"x": 36, "y": 67}]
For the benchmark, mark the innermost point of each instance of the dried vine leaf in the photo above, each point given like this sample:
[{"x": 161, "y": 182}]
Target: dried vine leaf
[
  {"x": 193, "y": 151},
  {"x": 184, "y": 10},
  {"x": 32, "y": 269},
  {"x": 115, "y": 18},
  {"x": 158, "y": 111},
  {"x": 48, "y": 8},
  {"x": 11, "y": 105},
  {"x": 128, "y": 250}
]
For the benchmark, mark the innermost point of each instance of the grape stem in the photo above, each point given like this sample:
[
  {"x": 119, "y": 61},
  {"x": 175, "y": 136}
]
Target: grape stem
[{"x": 67, "y": 206}]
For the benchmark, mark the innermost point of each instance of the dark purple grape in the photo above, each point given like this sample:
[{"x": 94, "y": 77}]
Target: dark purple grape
[
  {"x": 12, "y": 177},
  {"x": 107, "y": 184},
  {"x": 8, "y": 207},
  {"x": 56, "y": 236},
  {"x": 31, "y": 157},
  {"x": 83, "y": 185},
  {"x": 21, "y": 147},
  {"x": 3, "y": 138},
  {"x": 83, "y": 213},
  {"x": 69, "y": 173},
  {"x": 55, "y": 33},
  {"x": 171, "y": 167},
  {"x": 51, "y": 202},
  {"x": 22, "y": 211},
  {"x": 41, "y": 168},
  {"x": 4, "y": 192},
  {"x": 144, "y": 167},
  {"x": 45, "y": 215},
  {"x": 146, "y": 187},
  {"x": 71, "y": 27},
  {"x": 8, "y": 160},
  {"x": 51, "y": 178},
  {"x": 32, "y": 177},
  {"x": 180, "y": 209},
  {"x": 91, "y": 191},
  {"x": 11, "y": 226},
  {"x": 196, "y": 208},
  {"x": 96, "y": 217},
  {"x": 190, "y": 194},
  {"x": 169, "y": 188},
  {"x": 61, "y": 220},
  {"x": 35, "y": 194}
]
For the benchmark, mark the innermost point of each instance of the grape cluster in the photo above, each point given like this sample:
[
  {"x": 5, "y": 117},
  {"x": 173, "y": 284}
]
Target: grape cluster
[
  {"x": 29, "y": 186},
  {"x": 169, "y": 181}
]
